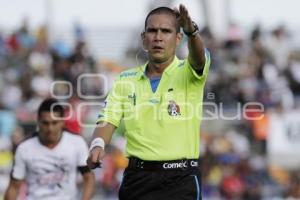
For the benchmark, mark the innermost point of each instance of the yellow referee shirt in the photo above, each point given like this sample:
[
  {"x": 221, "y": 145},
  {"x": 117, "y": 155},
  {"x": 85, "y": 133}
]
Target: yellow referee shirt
[{"x": 160, "y": 125}]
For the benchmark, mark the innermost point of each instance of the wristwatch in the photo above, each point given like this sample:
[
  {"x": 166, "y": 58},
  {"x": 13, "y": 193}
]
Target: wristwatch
[{"x": 195, "y": 32}]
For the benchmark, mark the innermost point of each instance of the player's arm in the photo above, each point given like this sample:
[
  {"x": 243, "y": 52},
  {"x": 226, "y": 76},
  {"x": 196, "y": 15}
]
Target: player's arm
[
  {"x": 88, "y": 183},
  {"x": 18, "y": 174},
  {"x": 13, "y": 189},
  {"x": 102, "y": 134},
  {"x": 195, "y": 44}
]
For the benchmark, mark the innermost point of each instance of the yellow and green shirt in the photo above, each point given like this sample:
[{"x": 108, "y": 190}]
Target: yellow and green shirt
[{"x": 160, "y": 125}]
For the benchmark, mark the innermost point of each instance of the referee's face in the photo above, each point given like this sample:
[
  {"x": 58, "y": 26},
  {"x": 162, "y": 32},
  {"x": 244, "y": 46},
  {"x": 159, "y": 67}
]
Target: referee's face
[
  {"x": 50, "y": 127},
  {"x": 160, "y": 37}
]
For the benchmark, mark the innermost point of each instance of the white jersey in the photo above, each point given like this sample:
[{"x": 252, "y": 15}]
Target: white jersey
[{"x": 50, "y": 173}]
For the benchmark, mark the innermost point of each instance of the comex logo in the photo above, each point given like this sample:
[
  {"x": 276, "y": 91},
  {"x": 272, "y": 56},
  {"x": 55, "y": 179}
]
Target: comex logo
[
  {"x": 179, "y": 165},
  {"x": 175, "y": 165}
]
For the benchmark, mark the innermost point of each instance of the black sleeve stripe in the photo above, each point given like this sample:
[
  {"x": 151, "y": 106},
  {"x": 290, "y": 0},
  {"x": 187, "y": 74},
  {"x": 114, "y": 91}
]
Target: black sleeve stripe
[{"x": 83, "y": 169}]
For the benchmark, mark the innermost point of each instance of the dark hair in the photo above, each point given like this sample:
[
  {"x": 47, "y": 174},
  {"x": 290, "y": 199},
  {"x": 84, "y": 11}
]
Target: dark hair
[
  {"x": 50, "y": 105},
  {"x": 163, "y": 10}
]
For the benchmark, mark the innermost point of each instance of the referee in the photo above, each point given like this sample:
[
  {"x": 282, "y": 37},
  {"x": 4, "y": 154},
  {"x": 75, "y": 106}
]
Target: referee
[{"x": 160, "y": 103}]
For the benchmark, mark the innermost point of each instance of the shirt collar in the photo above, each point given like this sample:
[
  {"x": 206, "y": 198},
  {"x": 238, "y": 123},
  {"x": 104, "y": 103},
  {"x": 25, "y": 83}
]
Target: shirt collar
[{"x": 167, "y": 71}]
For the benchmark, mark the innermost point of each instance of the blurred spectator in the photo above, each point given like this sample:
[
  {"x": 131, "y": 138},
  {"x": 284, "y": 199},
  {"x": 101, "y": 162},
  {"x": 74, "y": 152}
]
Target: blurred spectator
[
  {"x": 8, "y": 122},
  {"x": 81, "y": 61},
  {"x": 11, "y": 94},
  {"x": 25, "y": 38},
  {"x": 40, "y": 58},
  {"x": 293, "y": 75},
  {"x": 278, "y": 46}
]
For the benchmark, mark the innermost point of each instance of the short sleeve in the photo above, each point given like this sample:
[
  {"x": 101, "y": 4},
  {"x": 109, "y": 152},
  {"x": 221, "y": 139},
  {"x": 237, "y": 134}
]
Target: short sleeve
[
  {"x": 19, "y": 166},
  {"x": 82, "y": 154},
  {"x": 113, "y": 108},
  {"x": 206, "y": 67}
]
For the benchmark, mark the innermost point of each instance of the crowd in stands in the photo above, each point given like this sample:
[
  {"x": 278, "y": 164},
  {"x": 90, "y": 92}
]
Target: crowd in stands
[{"x": 262, "y": 66}]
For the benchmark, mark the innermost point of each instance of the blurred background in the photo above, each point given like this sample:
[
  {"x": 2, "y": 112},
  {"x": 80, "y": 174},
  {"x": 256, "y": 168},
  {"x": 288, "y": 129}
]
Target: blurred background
[{"x": 253, "y": 153}]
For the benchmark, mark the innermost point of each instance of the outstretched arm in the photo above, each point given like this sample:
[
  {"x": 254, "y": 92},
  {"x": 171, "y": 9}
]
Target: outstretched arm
[{"x": 195, "y": 44}]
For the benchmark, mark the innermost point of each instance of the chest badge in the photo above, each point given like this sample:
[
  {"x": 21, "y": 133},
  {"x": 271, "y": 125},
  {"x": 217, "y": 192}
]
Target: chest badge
[{"x": 173, "y": 108}]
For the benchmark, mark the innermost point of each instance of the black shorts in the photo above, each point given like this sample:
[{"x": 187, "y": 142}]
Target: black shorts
[{"x": 160, "y": 185}]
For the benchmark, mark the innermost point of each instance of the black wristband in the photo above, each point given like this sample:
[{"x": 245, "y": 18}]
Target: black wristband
[
  {"x": 83, "y": 169},
  {"x": 194, "y": 32}
]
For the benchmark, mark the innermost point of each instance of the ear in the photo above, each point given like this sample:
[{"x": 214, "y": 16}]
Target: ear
[
  {"x": 179, "y": 37},
  {"x": 143, "y": 35},
  {"x": 143, "y": 39}
]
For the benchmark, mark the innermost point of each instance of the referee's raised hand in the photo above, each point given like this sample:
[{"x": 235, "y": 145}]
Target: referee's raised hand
[
  {"x": 184, "y": 19},
  {"x": 95, "y": 157}
]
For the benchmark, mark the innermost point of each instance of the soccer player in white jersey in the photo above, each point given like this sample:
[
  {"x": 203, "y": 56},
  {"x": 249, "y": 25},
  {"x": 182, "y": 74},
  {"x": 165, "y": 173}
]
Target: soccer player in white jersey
[{"x": 48, "y": 162}]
